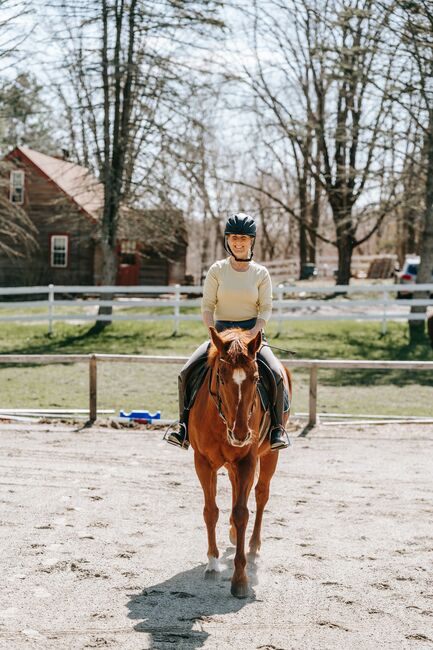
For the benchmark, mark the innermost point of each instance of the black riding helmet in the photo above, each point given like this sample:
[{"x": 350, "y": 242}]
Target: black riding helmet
[{"x": 240, "y": 224}]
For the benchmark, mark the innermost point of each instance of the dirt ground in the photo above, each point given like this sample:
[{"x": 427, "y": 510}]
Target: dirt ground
[{"x": 103, "y": 544}]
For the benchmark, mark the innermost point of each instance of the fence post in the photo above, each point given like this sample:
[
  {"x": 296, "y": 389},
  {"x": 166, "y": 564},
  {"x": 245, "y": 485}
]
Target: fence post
[
  {"x": 312, "y": 413},
  {"x": 385, "y": 303},
  {"x": 279, "y": 291},
  {"x": 176, "y": 309},
  {"x": 50, "y": 308},
  {"x": 92, "y": 388}
]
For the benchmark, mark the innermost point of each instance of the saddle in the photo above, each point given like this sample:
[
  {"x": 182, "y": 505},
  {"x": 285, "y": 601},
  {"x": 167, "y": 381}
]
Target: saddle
[{"x": 266, "y": 387}]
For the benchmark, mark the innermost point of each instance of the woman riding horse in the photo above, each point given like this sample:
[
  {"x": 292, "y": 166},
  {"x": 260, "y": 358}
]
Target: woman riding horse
[{"x": 237, "y": 293}]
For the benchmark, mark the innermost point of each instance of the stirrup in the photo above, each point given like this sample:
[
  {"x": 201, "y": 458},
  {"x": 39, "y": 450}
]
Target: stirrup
[
  {"x": 281, "y": 439},
  {"x": 177, "y": 436}
]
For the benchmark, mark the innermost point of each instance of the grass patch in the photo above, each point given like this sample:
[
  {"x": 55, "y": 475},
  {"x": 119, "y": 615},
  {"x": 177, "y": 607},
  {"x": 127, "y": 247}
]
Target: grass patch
[{"x": 131, "y": 386}]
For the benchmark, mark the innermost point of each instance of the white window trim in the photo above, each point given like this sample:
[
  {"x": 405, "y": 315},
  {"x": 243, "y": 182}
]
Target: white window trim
[
  {"x": 14, "y": 185},
  {"x": 66, "y": 243}
]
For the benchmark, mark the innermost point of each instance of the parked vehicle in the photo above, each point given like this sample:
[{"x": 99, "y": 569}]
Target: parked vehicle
[{"x": 408, "y": 273}]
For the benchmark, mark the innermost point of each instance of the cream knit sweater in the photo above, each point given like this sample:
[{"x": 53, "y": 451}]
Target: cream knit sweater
[{"x": 237, "y": 295}]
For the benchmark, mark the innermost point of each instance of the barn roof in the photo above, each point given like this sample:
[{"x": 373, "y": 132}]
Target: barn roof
[
  {"x": 75, "y": 181},
  {"x": 161, "y": 228}
]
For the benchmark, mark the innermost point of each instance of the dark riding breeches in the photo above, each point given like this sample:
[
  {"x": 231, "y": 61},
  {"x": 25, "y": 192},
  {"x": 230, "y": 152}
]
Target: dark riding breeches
[{"x": 270, "y": 370}]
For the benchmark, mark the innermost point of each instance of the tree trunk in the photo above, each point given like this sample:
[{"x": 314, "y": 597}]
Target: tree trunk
[
  {"x": 315, "y": 218},
  {"x": 303, "y": 247},
  {"x": 108, "y": 278},
  {"x": 303, "y": 243},
  {"x": 345, "y": 242},
  {"x": 424, "y": 276},
  {"x": 345, "y": 251}
]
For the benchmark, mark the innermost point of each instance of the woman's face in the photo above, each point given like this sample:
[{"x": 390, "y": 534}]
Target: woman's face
[{"x": 240, "y": 245}]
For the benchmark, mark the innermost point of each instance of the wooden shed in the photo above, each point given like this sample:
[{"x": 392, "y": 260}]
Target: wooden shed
[{"x": 64, "y": 201}]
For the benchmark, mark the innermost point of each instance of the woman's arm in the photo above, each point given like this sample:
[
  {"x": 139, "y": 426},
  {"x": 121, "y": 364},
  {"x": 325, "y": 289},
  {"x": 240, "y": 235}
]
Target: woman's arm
[
  {"x": 209, "y": 299},
  {"x": 207, "y": 317},
  {"x": 264, "y": 305}
]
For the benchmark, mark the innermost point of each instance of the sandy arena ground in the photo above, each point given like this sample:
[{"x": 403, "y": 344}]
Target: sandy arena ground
[{"x": 103, "y": 544}]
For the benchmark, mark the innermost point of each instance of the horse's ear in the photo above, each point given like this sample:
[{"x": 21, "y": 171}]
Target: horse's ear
[
  {"x": 216, "y": 339},
  {"x": 254, "y": 344}
]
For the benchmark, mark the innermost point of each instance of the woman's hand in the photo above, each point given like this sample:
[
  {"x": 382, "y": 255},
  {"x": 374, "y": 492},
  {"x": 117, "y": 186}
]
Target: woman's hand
[{"x": 256, "y": 329}]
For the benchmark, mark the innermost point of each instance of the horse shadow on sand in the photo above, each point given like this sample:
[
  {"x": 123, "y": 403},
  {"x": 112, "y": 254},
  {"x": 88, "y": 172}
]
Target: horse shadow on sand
[{"x": 172, "y": 612}]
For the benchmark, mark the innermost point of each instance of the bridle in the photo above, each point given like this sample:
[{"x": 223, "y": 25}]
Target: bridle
[{"x": 218, "y": 400}]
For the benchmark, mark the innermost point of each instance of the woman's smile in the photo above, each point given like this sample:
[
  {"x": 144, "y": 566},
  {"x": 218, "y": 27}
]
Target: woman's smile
[{"x": 240, "y": 244}]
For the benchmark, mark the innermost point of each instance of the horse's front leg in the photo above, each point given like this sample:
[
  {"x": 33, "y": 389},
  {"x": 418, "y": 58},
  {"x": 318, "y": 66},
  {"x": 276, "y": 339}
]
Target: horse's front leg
[
  {"x": 268, "y": 464},
  {"x": 233, "y": 481},
  {"x": 208, "y": 480},
  {"x": 244, "y": 471}
]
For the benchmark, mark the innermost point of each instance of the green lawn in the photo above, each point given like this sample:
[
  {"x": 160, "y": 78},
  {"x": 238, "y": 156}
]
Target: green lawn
[{"x": 154, "y": 387}]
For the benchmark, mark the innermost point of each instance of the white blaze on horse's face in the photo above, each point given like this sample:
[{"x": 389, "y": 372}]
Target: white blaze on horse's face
[{"x": 239, "y": 377}]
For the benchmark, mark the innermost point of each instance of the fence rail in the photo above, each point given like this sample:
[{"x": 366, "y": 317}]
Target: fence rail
[
  {"x": 312, "y": 364},
  {"x": 292, "y": 302}
]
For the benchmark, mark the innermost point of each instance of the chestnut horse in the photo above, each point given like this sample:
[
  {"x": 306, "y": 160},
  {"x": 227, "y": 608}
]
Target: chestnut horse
[{"x": 224, "y": 427}]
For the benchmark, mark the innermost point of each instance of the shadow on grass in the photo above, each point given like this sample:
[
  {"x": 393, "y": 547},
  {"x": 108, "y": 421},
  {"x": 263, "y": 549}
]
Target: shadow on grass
[
  {"x": 369, "y": 377},
  {"x": 309, "y": 340},
  {"x": 89, "y": 341}
]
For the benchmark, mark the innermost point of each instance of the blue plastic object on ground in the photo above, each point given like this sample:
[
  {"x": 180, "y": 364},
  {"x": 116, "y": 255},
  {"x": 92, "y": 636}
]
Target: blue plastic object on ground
[{"x": 141, "y": 415}]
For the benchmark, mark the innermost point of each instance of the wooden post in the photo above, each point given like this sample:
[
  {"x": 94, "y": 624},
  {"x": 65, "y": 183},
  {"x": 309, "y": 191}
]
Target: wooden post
[
  {"x": 92, "y": 388},
  {"x": 312, "y": 419}
]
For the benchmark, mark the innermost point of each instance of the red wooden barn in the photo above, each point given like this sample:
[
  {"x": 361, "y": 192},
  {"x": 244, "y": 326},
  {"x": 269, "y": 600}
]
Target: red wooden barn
[{"x": 64, "y": 202}]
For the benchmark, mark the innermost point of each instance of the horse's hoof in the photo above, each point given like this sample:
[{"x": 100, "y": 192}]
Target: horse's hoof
[
  {"x": 239, "y": 590},
  {"x": 211, "y": 575},
  {"x": 253, "y": 556}
]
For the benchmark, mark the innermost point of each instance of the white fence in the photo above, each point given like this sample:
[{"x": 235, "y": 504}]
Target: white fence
[{"x": 369, "y": 302}]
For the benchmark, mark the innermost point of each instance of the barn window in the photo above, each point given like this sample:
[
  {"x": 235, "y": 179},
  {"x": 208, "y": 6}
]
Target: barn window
[
  {"x": 17, "y": 187},
  {"x": 59, "y": 250}
]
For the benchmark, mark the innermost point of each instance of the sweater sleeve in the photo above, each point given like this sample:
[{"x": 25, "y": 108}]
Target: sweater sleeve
[
  {"x": 210, "y": 288},
  {"x": 264, "y": 303}
]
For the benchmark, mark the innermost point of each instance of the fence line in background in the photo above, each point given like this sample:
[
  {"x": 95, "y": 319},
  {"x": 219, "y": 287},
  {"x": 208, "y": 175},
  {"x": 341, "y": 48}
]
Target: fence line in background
[
  {"x": 313, "y": 364},
  {"x": 177, "y": 297}
]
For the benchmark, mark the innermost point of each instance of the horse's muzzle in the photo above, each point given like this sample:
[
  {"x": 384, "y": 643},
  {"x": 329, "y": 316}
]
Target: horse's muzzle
[{"x": 236, "y": 442}]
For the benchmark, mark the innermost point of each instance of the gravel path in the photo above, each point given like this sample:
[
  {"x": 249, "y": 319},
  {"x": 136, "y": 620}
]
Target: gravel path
[{"x": 103, "y": 543}]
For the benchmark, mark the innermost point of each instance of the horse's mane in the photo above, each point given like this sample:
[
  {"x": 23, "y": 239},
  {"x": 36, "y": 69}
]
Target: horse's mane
[{"x": 237, "y": 351}]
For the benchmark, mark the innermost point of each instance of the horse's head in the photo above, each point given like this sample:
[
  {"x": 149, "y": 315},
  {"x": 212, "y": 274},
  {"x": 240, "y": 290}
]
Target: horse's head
[{"x": 233, "y": 357}]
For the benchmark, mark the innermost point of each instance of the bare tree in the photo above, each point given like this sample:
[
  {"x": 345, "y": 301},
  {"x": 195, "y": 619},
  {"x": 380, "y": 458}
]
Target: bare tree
[
  {"x": 12, "y": 35},
  {"x": 414, "y": 25},
  {"x": 16, "y": 230},
  {"x": 323, "y": 89},
  {"x": 125, "y": 75}
]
